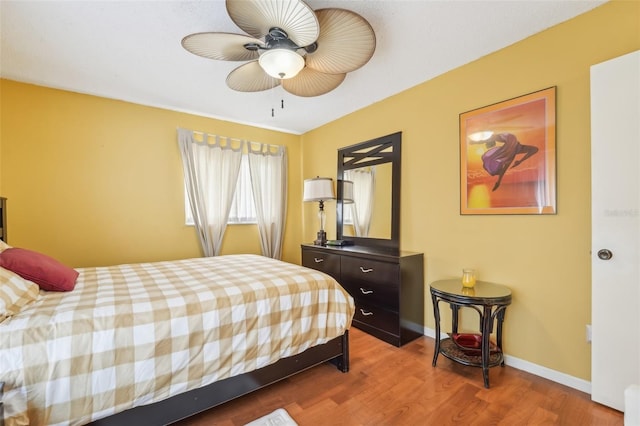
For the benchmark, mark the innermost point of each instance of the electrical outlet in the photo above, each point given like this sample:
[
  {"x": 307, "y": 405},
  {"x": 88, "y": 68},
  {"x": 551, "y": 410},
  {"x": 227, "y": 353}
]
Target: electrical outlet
[{"x": 588, "y": 333}]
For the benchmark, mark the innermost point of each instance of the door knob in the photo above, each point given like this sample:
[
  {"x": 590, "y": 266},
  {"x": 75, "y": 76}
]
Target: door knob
[{"x": 605, "y": 254}]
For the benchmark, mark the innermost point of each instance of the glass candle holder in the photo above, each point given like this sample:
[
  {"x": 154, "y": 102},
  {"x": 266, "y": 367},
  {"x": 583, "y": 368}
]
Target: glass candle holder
[
  {"x": 466, "y": 291},
  {"x": 468, "y": 278}
]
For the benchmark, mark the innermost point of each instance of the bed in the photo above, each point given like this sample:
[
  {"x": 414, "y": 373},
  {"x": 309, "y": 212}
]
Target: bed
[{"x": 153, "y": 343}]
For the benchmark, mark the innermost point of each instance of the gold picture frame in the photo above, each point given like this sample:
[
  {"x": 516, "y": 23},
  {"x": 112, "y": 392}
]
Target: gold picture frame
[{"x": 508, "y": 156}]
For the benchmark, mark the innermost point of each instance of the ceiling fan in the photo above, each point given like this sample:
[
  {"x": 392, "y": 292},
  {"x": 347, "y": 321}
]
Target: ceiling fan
[{"x": 308, "y": 52}]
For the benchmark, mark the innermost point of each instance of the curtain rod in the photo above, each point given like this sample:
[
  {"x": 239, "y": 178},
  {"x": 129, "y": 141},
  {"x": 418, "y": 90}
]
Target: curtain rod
[
  {"x": 230, "y": 138},
  {"x": 233, "y": 139},
  {"x": 225, "y": 137}
]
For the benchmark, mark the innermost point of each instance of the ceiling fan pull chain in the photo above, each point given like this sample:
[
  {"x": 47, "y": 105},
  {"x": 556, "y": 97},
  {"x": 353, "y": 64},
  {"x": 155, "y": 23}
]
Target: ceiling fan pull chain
[{"x": 281, "y": 107}]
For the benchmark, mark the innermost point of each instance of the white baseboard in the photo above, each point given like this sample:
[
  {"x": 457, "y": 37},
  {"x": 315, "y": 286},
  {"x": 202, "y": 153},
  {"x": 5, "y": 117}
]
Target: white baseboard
[{"x": 547, "y": 373}]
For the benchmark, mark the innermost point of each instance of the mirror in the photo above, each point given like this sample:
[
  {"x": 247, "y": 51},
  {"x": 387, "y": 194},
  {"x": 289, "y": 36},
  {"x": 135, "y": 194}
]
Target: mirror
[
  {"x": 368, "y": 211},
  {"x": 368, "y": 199}
]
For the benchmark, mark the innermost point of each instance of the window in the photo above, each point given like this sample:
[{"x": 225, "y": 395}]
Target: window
[
  {"x": 243, "y": 209},
  {"x": 347, "y": 214}
]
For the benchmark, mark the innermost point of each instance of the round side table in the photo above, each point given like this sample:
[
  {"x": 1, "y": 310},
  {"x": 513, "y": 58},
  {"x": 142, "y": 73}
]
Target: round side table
[{"x": 490, "y": 301}]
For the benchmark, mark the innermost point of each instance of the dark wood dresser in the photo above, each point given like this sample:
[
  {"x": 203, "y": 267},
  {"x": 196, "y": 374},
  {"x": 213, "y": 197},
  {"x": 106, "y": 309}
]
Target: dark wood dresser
[{"x": 386, "y": 285}]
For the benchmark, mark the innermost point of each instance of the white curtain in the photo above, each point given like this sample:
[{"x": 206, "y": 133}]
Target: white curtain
[
  {"x": 211, "y": 167},
  {"x": 268, "y": 166},
  {"x": 364, "y": 183}
]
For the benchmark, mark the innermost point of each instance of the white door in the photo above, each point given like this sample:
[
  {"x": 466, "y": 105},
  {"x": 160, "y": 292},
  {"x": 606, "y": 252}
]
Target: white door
[{"x": 615, "y": 208}]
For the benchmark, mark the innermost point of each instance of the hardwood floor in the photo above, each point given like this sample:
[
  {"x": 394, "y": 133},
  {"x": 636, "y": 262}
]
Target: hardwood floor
[{"x": 398, "y": 386}]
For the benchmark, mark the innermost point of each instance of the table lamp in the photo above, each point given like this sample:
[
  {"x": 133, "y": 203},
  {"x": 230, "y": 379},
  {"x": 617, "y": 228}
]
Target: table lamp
[
  {"x": 319, "y": 189},
  {"x": 347, "y": 192}
]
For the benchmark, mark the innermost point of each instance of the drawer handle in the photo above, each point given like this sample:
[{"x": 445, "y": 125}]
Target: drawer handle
[
  {"x": 366, "y": 271},
  {"x": 366, "y": 313},
  {"x": 365, "y": 291},
  {"x": 318, "y": 259}
]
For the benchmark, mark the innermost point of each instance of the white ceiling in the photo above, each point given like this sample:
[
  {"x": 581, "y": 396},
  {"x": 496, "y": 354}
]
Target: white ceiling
[{"x": 130, "y": 50}]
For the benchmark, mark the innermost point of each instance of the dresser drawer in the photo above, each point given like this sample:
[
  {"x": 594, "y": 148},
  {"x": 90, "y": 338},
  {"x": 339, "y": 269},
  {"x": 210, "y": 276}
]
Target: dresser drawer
[
  {"x": 372, "y": 272},
  {"x": 385, "y": 295},
  {"x": 322, "y": 261},
  {"x": 376, "y": 317}
]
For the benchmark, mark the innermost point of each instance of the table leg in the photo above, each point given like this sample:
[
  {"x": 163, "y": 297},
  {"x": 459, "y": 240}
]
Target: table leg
[
  {"x": 501, "y": 312},
  {"x": 486, "y": 333},
  {"x": 436, "y": 314},
  {"x": 454, "y": 318}
]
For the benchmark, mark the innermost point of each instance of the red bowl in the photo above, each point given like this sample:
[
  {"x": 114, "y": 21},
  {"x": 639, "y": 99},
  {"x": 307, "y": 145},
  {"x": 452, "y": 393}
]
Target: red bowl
[{"x": 471, "y": 342}]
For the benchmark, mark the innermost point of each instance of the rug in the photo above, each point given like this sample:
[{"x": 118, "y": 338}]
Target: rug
[{"x": 280, "y": 417}]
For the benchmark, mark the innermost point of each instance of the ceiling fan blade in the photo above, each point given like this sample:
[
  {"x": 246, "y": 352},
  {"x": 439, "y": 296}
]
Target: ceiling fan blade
[
  {"x": 251, "y": 77},
  {"x": 223, "y": 46},
  {"x": 257, "y": 17},
  {"x": 346, "y": 42},
  {"x": 310, "y": 82}
]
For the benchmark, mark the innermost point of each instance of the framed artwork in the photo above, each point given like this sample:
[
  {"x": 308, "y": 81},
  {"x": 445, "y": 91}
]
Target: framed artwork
[{"x": 508, "y": 156}]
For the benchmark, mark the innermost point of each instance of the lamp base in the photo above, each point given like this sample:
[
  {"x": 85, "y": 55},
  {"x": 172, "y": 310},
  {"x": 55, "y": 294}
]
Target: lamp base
[{"x": 322, "y": 239}]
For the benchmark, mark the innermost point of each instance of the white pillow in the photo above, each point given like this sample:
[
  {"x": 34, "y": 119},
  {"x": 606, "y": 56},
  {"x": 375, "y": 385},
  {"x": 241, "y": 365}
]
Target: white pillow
[
  {"x": 3, "y": 246},
  {"x": 15, "y": 293}
]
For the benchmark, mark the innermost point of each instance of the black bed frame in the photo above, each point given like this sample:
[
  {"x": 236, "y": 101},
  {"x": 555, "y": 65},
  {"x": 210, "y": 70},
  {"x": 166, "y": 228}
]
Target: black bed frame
[{"x": 195, "y": 401}]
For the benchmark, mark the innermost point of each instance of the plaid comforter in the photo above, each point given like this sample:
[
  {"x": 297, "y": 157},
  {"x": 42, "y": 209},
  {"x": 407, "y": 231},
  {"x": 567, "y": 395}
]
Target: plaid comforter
[{"x": 130, "y": 335}]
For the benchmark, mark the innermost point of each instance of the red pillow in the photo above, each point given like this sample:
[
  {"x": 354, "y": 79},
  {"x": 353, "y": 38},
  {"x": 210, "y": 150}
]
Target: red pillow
[{"x": 43, "y": 270}]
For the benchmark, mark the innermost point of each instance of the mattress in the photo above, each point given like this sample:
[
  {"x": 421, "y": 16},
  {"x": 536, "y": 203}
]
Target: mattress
[{"x": 134, "y": 334}]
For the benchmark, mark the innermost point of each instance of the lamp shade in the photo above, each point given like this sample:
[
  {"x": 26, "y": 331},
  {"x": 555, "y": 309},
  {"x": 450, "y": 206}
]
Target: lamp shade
[
  {"x": 281, "y": 63},
  {"x": 347, "y": 192},
  {"x": 318, "y": 189}
]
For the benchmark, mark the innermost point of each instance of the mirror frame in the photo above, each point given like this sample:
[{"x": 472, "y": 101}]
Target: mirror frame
[{"x": 370, "y": 153}]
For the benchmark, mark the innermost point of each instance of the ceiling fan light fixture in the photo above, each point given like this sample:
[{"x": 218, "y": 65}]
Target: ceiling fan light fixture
[{"x": 281, "y": 63}]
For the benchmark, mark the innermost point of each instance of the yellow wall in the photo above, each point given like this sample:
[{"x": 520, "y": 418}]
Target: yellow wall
[
  {"x": 93, "y": 181},
  {"x": 544, "y": 259}
]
